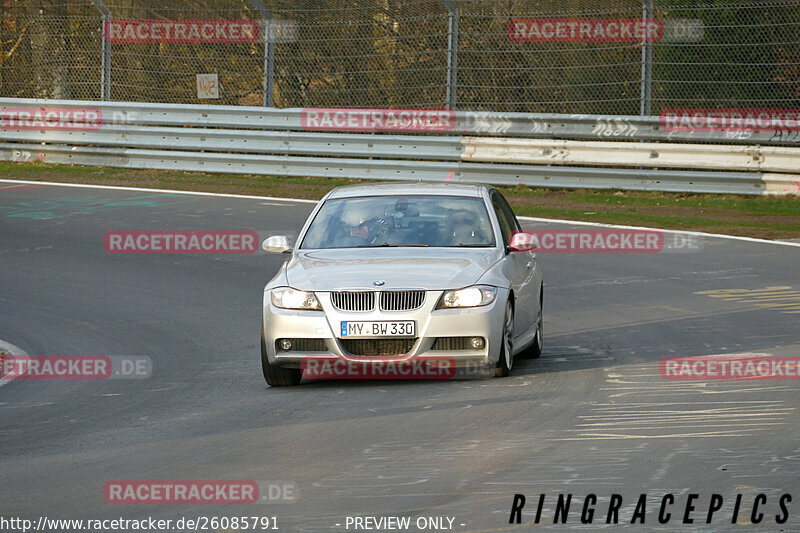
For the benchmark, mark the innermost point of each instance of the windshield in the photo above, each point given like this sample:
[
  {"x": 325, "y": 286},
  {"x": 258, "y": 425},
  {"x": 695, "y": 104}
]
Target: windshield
[{"x": 375, "y": 221}]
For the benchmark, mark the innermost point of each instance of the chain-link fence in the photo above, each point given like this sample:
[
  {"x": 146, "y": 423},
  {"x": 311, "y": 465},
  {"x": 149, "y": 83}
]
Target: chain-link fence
[
  {"x": 550, "y": 56},
  {"x": 50, "y": 49}
]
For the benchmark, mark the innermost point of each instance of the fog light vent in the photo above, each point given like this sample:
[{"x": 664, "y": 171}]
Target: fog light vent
[
  {"x": 301, "y": 345},
  {"x": 443, "y": 344}
]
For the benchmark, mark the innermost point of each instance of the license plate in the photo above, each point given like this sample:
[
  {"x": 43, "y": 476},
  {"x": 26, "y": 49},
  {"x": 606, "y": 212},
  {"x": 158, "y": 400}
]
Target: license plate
[{"x": 381, "y": 328}]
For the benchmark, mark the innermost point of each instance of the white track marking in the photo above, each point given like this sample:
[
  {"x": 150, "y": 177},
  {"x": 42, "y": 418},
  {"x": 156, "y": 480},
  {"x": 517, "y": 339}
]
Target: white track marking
[
  {"x": 673, "y": 231},
  {"x": 165, "y": 191}
]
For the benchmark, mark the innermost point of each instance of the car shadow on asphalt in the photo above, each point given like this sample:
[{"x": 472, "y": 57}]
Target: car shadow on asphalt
[{"x": 553, "y": 359}]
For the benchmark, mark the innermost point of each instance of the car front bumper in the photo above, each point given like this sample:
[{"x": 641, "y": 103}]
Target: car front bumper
[{"x": 431, "y": 323}]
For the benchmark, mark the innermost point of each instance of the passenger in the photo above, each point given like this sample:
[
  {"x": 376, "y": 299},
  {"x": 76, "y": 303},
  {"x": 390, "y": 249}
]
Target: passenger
[{"x": 463, "y": 228}]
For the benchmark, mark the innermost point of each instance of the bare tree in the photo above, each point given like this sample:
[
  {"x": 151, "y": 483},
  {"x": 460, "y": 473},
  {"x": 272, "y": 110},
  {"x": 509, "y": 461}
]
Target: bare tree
[{"x": 51, "y": 48}]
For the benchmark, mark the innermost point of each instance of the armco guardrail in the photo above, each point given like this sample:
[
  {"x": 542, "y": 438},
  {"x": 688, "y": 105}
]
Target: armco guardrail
[
  {"x": 602, "y": 153},
  {"x": 247, "y": 141},
  {"x": 270, "y": 141},
  {"x": 586, "y": 127},
  {"x": 381, "y": 169}
]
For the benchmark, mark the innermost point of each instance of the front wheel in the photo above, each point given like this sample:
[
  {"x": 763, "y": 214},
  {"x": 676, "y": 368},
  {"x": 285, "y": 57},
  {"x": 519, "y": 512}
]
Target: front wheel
[
  {"x": 277, "y": 376},
  {"x": 506, "y": 360}
]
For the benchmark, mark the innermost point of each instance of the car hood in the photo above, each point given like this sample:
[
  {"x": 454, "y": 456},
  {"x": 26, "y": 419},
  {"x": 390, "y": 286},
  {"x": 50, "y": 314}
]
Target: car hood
[{"x": 398, "y": 268}]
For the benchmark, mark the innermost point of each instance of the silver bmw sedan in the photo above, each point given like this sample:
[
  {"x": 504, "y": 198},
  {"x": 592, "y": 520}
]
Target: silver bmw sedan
[{"x": 403, "y": 272}]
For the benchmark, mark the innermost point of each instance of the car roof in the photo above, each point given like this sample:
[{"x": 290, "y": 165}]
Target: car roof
[{"x": 409, "y": 188}]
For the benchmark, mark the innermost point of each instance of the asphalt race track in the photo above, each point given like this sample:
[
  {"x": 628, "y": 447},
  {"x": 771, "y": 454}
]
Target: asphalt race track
[{"x": 592, "y": 416}]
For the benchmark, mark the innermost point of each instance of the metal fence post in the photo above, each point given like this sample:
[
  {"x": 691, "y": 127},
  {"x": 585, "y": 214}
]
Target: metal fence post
[
  {"x": 647, "y": 62},
  {"x": 105, "y": 59},
  {"x": 269, "y": 52},
  {"x": 106, "y": 76},
  {"x": 452, "y": 52},
  {"x": 269, "y": 66}
]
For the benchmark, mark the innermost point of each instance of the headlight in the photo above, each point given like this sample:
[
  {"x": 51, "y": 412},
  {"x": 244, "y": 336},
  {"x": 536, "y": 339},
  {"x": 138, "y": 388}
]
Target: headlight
[
  {"x": 475, "y": 296},
  {"x": 289, "y": 298}
]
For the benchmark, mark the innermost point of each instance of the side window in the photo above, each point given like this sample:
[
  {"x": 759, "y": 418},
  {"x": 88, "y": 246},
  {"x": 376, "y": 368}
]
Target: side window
[
  {"x": 512, "y": 218},
  {"x": 501, "y": 209}
]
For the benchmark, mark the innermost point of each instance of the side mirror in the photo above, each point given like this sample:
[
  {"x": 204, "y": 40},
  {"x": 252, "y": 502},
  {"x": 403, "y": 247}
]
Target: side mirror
[
  {"x": 522, "y": 242},
  {"x": 276, "y": 244}
]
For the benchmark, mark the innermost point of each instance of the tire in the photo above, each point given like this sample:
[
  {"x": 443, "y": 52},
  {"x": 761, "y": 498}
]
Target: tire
[
  {"x": 277, "y": 376},
  {"x": 535, "y": 349},
  {"x": 506, "y": 361}
]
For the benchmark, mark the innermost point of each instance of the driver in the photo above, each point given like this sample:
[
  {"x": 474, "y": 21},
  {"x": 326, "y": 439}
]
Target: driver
[{"x": 357, "y": 220}]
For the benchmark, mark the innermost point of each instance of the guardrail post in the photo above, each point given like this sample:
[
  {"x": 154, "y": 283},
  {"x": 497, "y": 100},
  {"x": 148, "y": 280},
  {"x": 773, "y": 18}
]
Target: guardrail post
[
  {"x": 105, "y": 54},
  {"x": 452, "y": 52},
  {"x": 647, "y": 62},
  {"x": 269, "y": 51}
]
